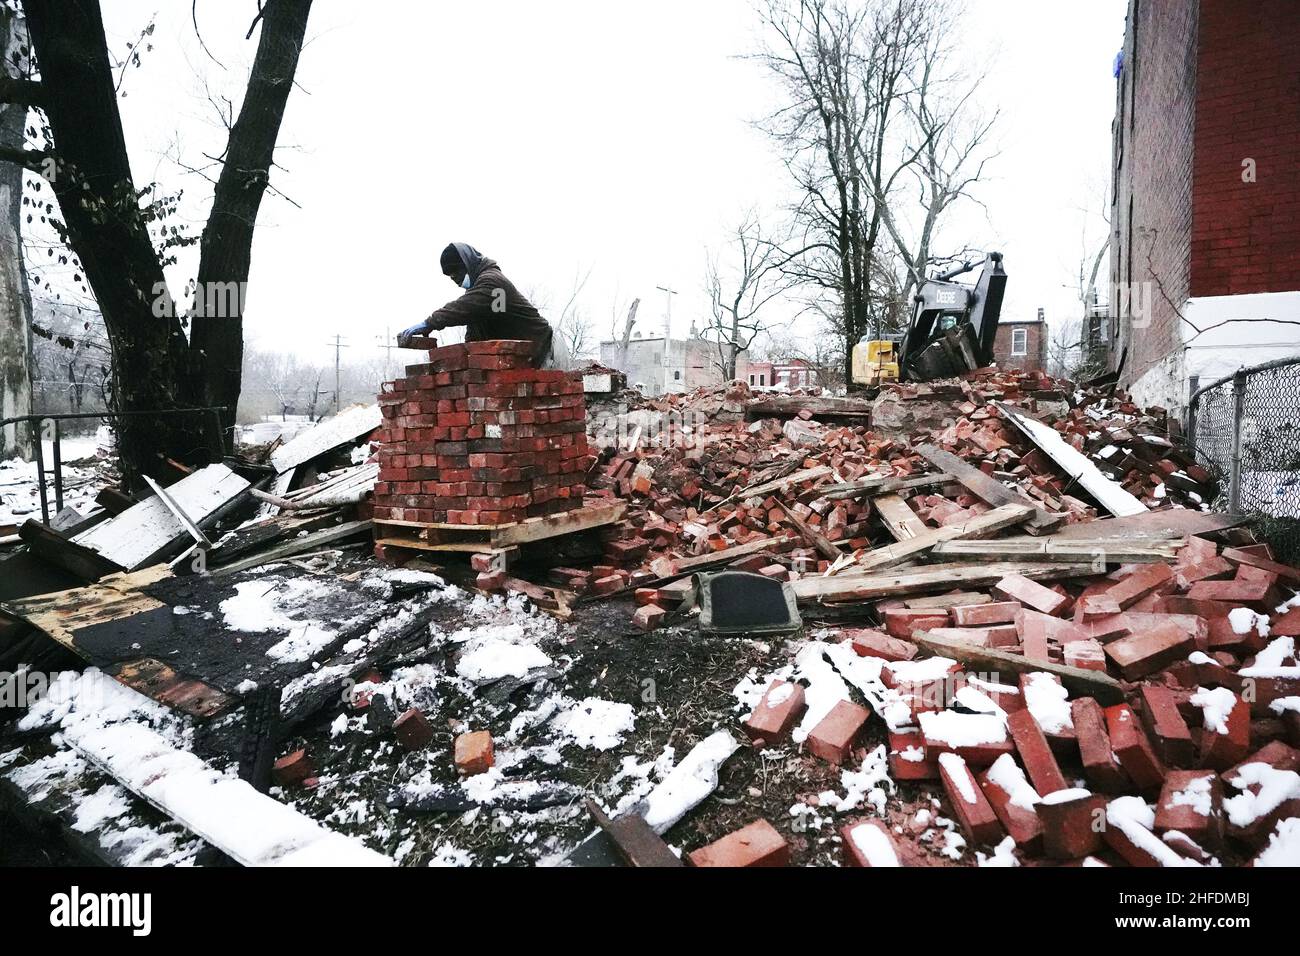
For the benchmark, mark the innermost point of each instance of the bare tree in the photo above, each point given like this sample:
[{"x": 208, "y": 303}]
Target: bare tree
[
  {"x": 572, "y": 324},
  {"x": 737, "y": 295},
  {"x": 945, "y": 145},
  {"x": 15, "y": 295},
  {"x": 155, "y": 365},
  {"x": 844, "y": 69}
]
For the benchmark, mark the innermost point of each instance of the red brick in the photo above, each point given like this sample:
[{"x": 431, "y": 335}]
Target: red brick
[
  {"x": 1134, "y": 750},
  {"x": 758, "y": 844},
  {"x": 982, "y": 615},
  {"x": 1100, "y": 765},
  {"x": 935, "y": 727},
  {"x": 474, "y": 753},
  {"x": 1165, "y": 726},
  {"x": 1087, "y": 654},
  {"x": 1147, "y": 579},
  {"x": 412, "y": 730},
  {"x": 1004, "y": 635},
  {"x": 1138, "y": 655},
  {"x": 1021, "y": 822},
  {"x": 1017, "y": 587},
  {"x": 777, "y": 713},
  {"x": 1224, "y": 743},
  {"x": 1251, "y": 593},
  {"x": 1182, "y": 797},
  {"x": 870, "y": 643},
  {"x": 293, "y": 768},
  {"x": 648, "y": 617},
  {"x": 833, "y": 737},
  {"x": 869, "y": 843},
  {"x": 1035, "y": 753},
  {"x": 904, "y": 622},
  {"x": 1130, "y": 814},
  {"x": 1072, "y": 826},
  {"x": 1275, "y": 753},
  {"x": 908, "y": 744},
  {"x": 969, "y": 805}
]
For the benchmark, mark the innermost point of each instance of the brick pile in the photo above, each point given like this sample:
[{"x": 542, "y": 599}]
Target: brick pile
[
  {"x": 1191, "y": 757},
  {"x": 475, "y": 436}
]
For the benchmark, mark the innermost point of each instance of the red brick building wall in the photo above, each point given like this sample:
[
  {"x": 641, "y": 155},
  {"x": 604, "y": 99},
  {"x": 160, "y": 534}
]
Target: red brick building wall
[
  {"x": 1246, "y": 235},
  {"x": 1035, "y": 346},
  {"x": 1151, "y": 212},
  {"x": 1205, "y": 84}
]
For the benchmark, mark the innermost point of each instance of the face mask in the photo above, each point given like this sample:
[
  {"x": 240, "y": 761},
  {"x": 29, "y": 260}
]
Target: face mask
[{"x": 465, "y": 283}]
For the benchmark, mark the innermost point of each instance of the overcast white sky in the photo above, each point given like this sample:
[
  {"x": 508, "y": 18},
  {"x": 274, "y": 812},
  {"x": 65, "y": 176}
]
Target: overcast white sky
[{"x": 571, "y": 135}]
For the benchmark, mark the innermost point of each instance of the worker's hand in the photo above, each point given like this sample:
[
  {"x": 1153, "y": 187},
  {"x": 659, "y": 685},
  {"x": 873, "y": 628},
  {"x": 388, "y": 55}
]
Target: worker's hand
[
  {"x": 433, "y": 326},
  {"x": 407, "y": 334}
]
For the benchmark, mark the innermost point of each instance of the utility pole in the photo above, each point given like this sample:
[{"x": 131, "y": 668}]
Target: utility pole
[
  {"x": 338, "y": 347},
  {"x": 386, "y": 343},
  {"x": 668, "y": 330}
]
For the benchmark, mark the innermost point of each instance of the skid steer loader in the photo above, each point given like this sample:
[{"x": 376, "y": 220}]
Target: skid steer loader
[{"x": 952, "y": 330}]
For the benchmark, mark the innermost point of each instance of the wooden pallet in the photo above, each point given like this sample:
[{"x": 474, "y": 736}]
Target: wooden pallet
[{"x": 494, "y": 538}]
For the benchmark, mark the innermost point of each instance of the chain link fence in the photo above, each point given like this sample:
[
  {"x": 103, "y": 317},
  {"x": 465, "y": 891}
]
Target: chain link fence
[{"x": 1246, "y": 429}]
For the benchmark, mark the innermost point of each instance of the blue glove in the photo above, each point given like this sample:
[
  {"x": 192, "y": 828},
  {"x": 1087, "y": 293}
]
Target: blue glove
[{"x": 407, "y": 334}]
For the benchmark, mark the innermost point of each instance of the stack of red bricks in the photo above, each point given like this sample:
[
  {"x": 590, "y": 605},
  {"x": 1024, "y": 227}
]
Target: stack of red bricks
[{"x": 476, "y": 436}]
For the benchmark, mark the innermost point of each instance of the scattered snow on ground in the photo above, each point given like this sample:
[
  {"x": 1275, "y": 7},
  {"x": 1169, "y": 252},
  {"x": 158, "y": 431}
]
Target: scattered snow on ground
[
  {"x": 871, "y": 784},
  {"x": 259, "y": 607},
  {"x": 596, "y": 724},
  {"x": 106, "y": 803},
  {"x": 689, "y": 782}
]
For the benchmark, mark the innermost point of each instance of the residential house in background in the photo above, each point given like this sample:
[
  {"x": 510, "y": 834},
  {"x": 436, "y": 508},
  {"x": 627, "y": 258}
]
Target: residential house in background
[
  {"x": 789, "y": 373},
  {"x": 658, "y": 368},
  {"x": 1206, "y": 193},
  {"x": 1021, "y": 343}
]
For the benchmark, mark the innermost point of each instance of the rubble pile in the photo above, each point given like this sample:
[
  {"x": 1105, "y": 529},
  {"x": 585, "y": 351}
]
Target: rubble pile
[{"x": 706, "y": 482}]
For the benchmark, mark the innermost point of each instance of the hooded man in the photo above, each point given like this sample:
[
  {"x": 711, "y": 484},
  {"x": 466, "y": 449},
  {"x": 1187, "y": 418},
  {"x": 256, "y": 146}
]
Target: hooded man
[{"x": 491, "y": 307}]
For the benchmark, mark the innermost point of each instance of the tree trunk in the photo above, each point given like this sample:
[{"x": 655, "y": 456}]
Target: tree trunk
[
  {"x": 15, "y": 296},
  {"x": 227, "y": 244},
  {"x": 100, "y": 207}
]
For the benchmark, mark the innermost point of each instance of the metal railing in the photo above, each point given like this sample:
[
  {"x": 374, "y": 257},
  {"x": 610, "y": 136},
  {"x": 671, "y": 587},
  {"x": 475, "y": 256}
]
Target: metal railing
[
  {"x": 1245, "y": 427},
  {"x": 37, "y": 422}
]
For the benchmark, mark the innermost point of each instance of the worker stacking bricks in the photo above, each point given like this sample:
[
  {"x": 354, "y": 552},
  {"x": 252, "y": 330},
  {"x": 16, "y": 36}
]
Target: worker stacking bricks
[{"x": 478, "y": 437}]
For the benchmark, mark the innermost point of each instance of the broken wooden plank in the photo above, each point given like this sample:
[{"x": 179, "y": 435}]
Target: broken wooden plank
[
  {"x": 278, "y": 489},
  {"x": 63, "y": 552},
  {"x": 178, "y": 512},
  {"x": 204, "y": 801},
  {"x": 1079, "y": 681},
  {"x": 296, "y": 546},
  {"x": 878, "y": 485},
  {"x": 636, "y": 843},
  {"x": 935, "y": 577},
  {"x": 1109, "y": 494},
  {"x": 112, "y": 598},
  {"x": 984, "y": 524},
  {"x": 1107, "y": 551},
  {"x": 550, "y": 526},
  {"x": 988, "y": 489},
  {"x": 825, "y": 547},
  {"x": 1166, "y": 523},
  {"x": 349, "y": 425},
  {"x": 148, "y": 531},
  {"x": 726, "y": 554},
  {"x": 898, "y": 517}
]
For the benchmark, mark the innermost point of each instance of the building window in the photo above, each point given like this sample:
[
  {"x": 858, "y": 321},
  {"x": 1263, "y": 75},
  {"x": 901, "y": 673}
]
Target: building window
[
  {"x": 677, "y": 376},
  {"x": 1019, "y": 341},
  {"x": 762, "y": 379},
  {"x": 751, "y": 379}
]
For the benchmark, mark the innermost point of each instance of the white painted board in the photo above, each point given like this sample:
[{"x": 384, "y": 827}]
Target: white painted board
[
  {"x": 348, "y": 425},
  {"x": 140, "y": 532},
  {"x": 1078, "y": 466}
]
